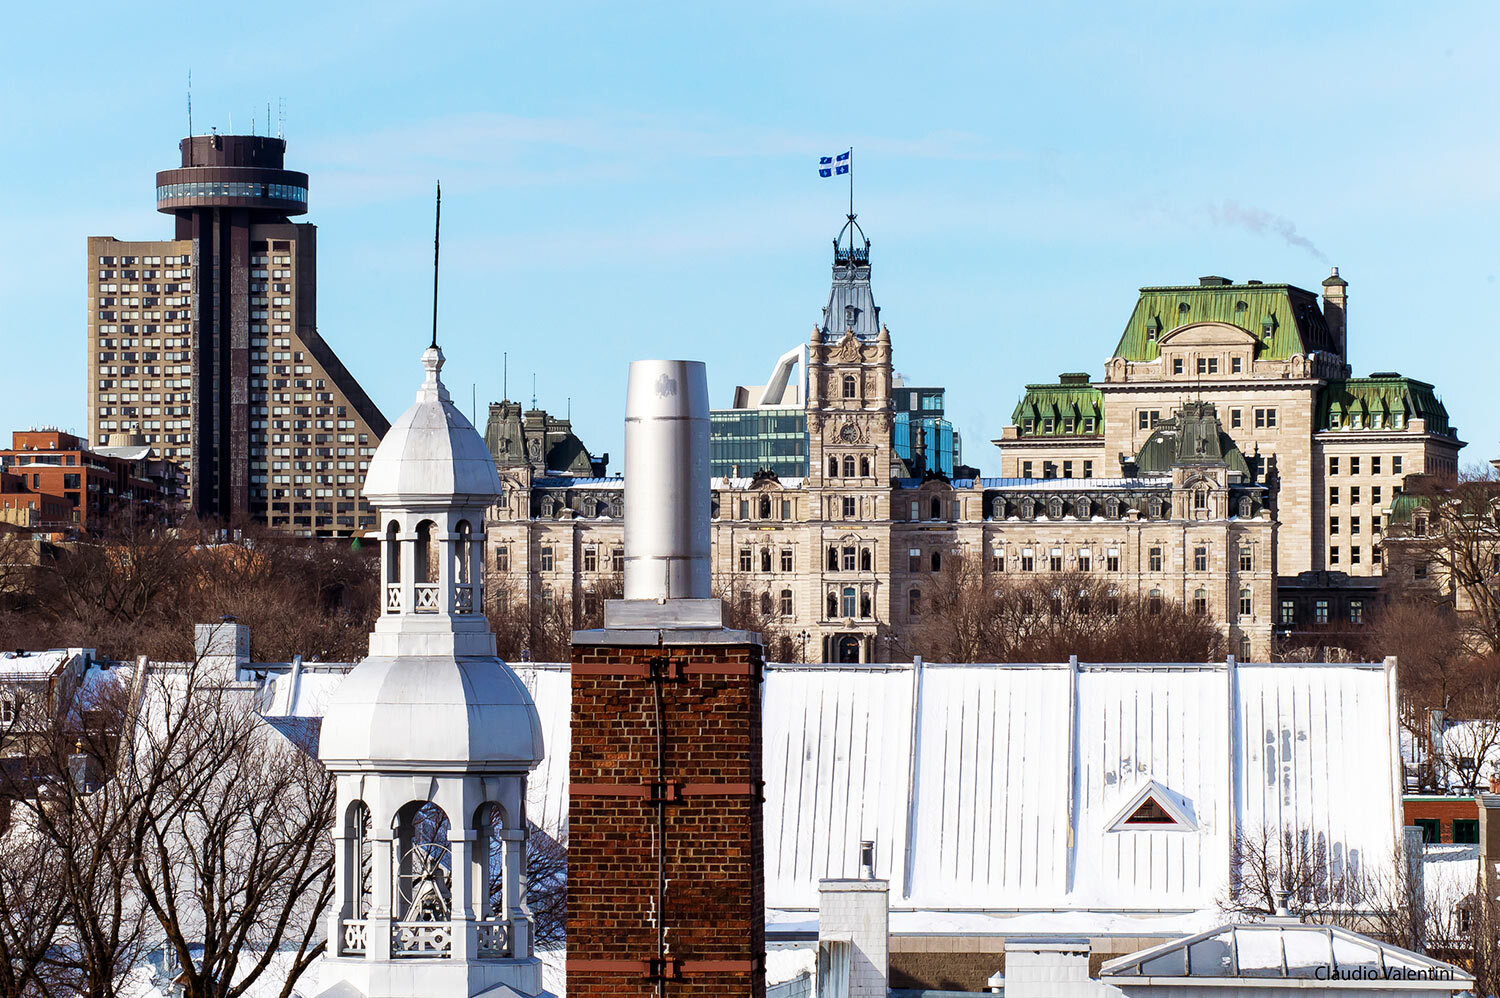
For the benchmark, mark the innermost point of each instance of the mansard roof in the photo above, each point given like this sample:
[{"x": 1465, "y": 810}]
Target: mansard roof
[
  {"x": 1193, "y": 435},
  {"x": 851, "y": 305},
  {"x": 1072, "y": 398},
  {"x": 1384, "y": 400},
  {"x": 1284, "y": 319}
]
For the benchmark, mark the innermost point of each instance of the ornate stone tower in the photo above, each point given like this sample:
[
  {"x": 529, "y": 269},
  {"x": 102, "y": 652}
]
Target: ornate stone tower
[
  {"x": 850, "y": 456},
  {"x": 431, "y": 739}
]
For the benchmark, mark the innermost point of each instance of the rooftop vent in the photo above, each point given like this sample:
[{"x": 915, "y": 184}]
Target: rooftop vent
[
  {"x": 1255, "y": 282},
  {"x": 1386, "y": 374},
  {"x": 1074, "y": 378},
  {"x": 1212, "y": 281}
]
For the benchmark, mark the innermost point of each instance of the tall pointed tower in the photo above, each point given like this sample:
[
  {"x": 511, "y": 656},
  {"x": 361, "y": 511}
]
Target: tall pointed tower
[{"x": 431, "y": 740}]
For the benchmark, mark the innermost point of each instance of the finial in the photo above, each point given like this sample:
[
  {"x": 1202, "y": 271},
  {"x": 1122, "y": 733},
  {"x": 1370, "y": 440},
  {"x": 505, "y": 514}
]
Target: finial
[{"x": 437, "y": 231}]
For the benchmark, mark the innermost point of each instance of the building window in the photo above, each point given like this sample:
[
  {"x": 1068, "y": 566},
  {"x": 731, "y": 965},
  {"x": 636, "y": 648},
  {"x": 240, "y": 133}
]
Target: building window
[
  {"x": 590, "y": 559},
  {"x": 914, "y": 560},
  {"x": 1333, "y": 496},
  {"x": 937, "y": 561},
  {"x": 1288, "y": 611},
  {"x": 745, "y": 557},
  {"x": 1085, "y": 560},
  {"x": 1333, "y": 525},
  {"x": 502, "y": 558},
  {"x": 914, "y": 603},
  {"x": 786, "y": 602},
  {"x": 1112, "y": 560},
  {"x": 1356, "y": 611},
  {"x": 937, "y": 509},
  {"x": 1333, "y": 466},
  {"x": 1466, "y": 831},
  {"x": 1247, "y": 558},
  {"x": 1320, "y": 611},
  {"x": 1025, "y": 469},
  {"x": 1200, "y": 558},
  {"x": 1236, "y": 365},
  {"x": 997, "y": 560},
  {"x": 848, "y": 465},
  {"x": 1353, "y": 524},
  {"x": 1375, "y": 495},
  {"x": 1374, "y": 465},
  {"x": 848, "y": 507},
  {"x": 1333, "y": 555},
  {"x": 1200, "y": 602},
  {"x": 1396, "y": 465},
  {"x": 1246, "y": 603},
  {"x": 1153, "y": 602},
  {"x": 1265, "y": 419},
  {"x": 850, "y": 595},
  {"x": 1088, "y": 469},
  {"x": 617, "y": 560},
  {"x": 848, "y": 560},
  {"x": 1054, "y": 559},
  {"x": 851, "y": 386},
  {"x": 1176, "y": 365},
  {"x": 1055, "y": 508},
  {"x": 1200, "y": 498},
  {"x": 1154, "y": 559},
  {"x": 786, "y": 509},
  {"x": 1419, "y": 570},
  {"x": 744, "y": 509},
  {"x": 1354, "y": 553},
  {"x": 786, "y": 559},
  {"x": 1028, "y": 560},
  {"x": 1049, "y": 470}
]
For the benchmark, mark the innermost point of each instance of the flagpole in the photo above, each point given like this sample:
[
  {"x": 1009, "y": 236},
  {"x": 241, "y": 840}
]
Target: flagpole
[{"x": 851, "y": 202}]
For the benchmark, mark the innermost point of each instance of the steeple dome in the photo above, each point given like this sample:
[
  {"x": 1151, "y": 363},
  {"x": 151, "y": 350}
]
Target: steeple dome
[
  {"x": 432, "y": 452},
  {"x": 851, "y": 305}
]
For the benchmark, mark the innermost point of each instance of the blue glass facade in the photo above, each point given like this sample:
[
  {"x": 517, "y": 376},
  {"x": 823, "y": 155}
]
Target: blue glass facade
[{"x": 756, "y": 439}]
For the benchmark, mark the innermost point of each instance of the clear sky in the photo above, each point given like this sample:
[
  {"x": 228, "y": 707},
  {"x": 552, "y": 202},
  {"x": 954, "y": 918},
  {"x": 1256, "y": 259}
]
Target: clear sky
[{"x": 625, "y": 180}]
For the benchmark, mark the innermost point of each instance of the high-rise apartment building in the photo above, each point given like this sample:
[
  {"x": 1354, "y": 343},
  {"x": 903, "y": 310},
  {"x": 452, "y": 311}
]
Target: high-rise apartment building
[{"x": 208, "y": 343}]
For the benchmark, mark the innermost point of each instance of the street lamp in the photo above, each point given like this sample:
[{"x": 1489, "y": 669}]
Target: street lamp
[{"x": 802, "y": 636}]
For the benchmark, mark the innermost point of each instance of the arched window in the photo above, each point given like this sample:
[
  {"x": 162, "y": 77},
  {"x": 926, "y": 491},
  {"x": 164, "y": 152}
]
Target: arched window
[
  {"x": 937, "y": 561},
  {"x": 833, "y": 467},
  {"x": 914, "y": 603},
  {"x": 848, "y": 465},
  {"x": 864, "y": 604},
  {"x": 851, "y": 386},
  {"x": 1200, "y": 498},
  {"x": 850, "y": 595},
  {"x": 359, "y": 857},
  {"x": 1112, "y": 508},
  {"x": 786, "y": 602},
  {"x": 1153, "y": 602},
  {"x": 1155, "y": 509},
  {"x": 833, "y": 559},
  {"x": 997, "y": 509},
  {"x": 1200, "y": 602},
  {"x": 427, "y": 553},
  {"x": 464, "y": 550},
  {"x": 866, "y": 560},
  {"x": 1028, "y": 508},
  {"x": 864, "y": 467},
  {"x": 616, "y": 507},
  {"x": 1112, "y": 601},
  {"x": 392, "y": 553},
  {"x": 1084, "y": 509},
  {"x": 937, "y": 509},
  {"x": 764, "y": 508},
  {"x": 765, "y": 604},
  {"x": 1055, "y": 508},
  {"x": 1245, "y": 506},
  {"x": 833, "y": 604},
  {"x": 1247, "y": 603},
  {"x": 421, "y": 881}
]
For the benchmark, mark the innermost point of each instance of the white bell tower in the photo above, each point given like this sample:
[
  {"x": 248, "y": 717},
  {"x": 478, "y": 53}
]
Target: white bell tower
[{"x": 431, "y": 740}]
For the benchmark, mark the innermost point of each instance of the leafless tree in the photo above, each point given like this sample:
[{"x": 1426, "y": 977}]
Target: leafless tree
[{"x": 968, "y": 615}]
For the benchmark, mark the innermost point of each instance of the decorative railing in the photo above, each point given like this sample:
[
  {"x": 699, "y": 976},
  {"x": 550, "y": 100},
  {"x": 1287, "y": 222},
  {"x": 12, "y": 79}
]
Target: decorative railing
[
  {"x": 427, "y": 597},
  {"x": 356, "y": 937},
  {"x": 393, "y": 597},
  {"x": 494, "y": 937},
  {"x": 421, "y": 939},
  {"x": 463, "y": 599}
]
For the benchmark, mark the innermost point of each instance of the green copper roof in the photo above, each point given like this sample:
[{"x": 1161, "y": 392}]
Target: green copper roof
[
  {"x": 1285, "y": 319},
  {"x": 1070, "y": 408},
  {"x": 1191, "y": 435},
  {"x": 1381, "y": 401}
]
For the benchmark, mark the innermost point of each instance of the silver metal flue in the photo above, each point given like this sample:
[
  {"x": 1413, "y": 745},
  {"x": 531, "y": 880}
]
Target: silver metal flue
[{"x": 666, "y": 481}]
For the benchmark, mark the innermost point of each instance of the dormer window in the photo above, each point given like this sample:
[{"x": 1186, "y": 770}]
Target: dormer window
[
  {"x": 1183, "y": 308},
  {"x": 1154, "y": 808},
  {"x": 1088, "y": 424},
  {"x": 851, "y": 316},
  {"x": 1268, "y": 327},
  {"x": 1150, "y": 813},
  {"x": 1153, "y": 329}
]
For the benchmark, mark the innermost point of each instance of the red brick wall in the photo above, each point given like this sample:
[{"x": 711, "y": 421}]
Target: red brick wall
[
  {"x": 715, "y": 849},
  {"x": 1443, "y": 810}
]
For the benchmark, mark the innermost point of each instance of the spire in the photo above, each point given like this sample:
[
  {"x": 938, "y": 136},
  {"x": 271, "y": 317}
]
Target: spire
[
  {"x": 851, "y": 306},
  {"x": 433, "y": 389},
  {"x": 437, "y": 231}
]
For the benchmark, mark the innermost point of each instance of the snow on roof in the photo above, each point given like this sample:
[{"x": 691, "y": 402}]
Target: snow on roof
[
  {"x": 33, "y": 665},
  {"x": 1285, "y": 950}
]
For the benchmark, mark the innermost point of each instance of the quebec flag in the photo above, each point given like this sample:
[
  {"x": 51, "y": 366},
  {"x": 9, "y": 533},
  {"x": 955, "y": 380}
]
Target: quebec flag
[{"x": 830, "y": 165}]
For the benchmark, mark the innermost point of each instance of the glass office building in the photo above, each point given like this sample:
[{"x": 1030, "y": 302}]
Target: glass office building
[{"x": 744, "y": 441}]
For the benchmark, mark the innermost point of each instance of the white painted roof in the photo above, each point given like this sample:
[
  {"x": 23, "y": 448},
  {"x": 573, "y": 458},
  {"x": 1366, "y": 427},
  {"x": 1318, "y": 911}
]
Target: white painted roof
[
  {"x": 1283, "y": 950},
  {"x": 436, "y": 710},
  {"x": 432, "y": 453}
]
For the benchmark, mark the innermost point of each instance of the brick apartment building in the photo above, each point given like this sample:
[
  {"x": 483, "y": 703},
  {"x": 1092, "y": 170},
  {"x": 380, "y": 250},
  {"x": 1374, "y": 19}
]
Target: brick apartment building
[{"x": 78, "y": 488}]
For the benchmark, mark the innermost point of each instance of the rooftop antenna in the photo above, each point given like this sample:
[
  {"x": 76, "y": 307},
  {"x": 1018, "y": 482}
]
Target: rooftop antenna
[
  {"x": 533, "y": 389},
  {"x": 281, "y": 118},
  {"x": 190, "y": 117},
  {"x": 505, "y": 375},
  {"x": 437, "y": 230},
  {"x": 851, "y": 202},
  {"x": 268, "y": 119}
]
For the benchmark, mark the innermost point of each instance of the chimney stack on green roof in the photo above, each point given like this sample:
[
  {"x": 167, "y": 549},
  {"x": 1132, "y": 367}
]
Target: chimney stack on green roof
[{"x": 1335, "y": 305}]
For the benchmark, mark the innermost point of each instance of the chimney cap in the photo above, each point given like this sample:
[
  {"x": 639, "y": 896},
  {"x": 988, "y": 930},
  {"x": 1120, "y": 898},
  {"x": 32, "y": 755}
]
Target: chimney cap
[
  {"x": 1214, "y": 281},
  {"x": 1333, "y": 280}
]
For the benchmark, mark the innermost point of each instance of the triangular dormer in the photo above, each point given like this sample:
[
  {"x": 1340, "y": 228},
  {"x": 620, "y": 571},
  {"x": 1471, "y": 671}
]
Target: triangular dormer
[{"x": 1154, "y": 808}]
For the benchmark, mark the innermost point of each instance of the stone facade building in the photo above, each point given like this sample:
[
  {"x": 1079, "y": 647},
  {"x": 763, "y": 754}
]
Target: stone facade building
[
  {"x": 840, "y": 559},
  {"x": 1272, "y": 360}
]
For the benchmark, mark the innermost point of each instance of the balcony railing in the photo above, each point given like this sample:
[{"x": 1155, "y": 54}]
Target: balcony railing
[
  {"x": 393, "y": 597},
  {"x": 463, "y": 599},
  {"x": 421, "y": 939},
  {"x": 356, "y": 937},
  {"x": 427, "y": 597},
  {"x": 494, "y": 938}
]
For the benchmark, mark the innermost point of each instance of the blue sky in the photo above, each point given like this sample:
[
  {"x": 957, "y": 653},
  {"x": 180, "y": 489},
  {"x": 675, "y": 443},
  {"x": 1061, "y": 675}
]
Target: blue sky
[{"x": 633, "y": 180}]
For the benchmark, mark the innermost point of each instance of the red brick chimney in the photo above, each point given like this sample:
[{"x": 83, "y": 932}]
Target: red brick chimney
[{"x": 666, "y": 851}]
